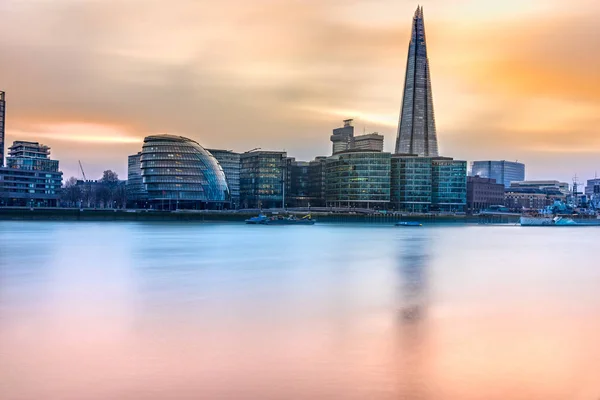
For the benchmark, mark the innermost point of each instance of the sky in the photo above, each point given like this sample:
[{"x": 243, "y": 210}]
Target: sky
[{"x": 513, "y": 80}]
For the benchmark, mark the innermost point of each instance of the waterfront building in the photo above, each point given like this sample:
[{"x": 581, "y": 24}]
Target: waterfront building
[
  {"x": 483, "y": 193},
  {"x": 593, "y": 188},
  {"x": 261, "y": 178},
  {"x": 502, "y": 171},
  {"x": 30, "y": 178},
  {"x": 411, "y": 185},
  {"x": 342, "y": 138},
  {"x": 358, "y": 178},
  {"x": 317, "y": 181},
  {"x": 2, "y": 123},
  {"x": 449, "y": 184},
  {"x": 230, "y": 162},
  {"x": 562, "y": 187},
  {"x": 370, "y": 142},
  {"x": 416, "y": 128},
  {"x": 177, "y": 172},
  {"x": 297, "y": 183},
  {"x": 135, "y": 185},
  {"x": 518, "y": 199}
]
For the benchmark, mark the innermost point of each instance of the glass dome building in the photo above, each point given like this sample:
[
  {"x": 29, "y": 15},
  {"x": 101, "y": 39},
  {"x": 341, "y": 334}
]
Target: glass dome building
[{"x": 178, "y": 171}]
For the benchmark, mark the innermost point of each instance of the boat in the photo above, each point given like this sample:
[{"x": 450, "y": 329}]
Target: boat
[
  {"x": 291, "y": 220},
  {"x": 559, "y": 220},
  {"x": 257, "y": 220},
  {"x": 408, "y": 223}
]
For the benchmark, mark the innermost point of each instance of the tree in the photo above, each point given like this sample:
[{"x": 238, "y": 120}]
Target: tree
[
  {"x": 71, "y": 193},
  {"x": 108, "y": 189},
  {"x": 109, "y": 177}
]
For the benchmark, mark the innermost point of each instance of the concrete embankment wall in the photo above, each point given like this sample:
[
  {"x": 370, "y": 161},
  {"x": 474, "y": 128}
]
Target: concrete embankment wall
[{"x": 62, "y": 214}]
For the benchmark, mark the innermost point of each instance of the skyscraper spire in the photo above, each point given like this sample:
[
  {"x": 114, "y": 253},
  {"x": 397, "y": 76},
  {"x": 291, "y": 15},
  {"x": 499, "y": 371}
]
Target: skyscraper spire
[{"x": 416, "y": 128}]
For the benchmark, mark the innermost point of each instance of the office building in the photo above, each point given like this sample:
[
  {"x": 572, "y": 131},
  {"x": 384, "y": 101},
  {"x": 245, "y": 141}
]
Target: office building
[
  {"x": 369, "y": 142},
  {"x": 261, "y": 178},
  {"x": 483, "y": 193},
  {"x": 342, "y": 138},
  {"x": 416, "y": 128},
  {"x": 317, "y": 181},
  {"x": 562, "y": 187},
  {"x": 411, "y": 185},
  {"x": 230, "y": 162},
  {"x": 135, "y": 185},
  {"x": 518, "y": 199},
  {"x": 30, "y": 178},
  {"x": 2, "y": 123},
  {"x": 503, "y": 172},
  {"x": 179, "y": 173},
  {"x": 593, "y": 188},
  {"x": 297, "y": 183},
  {"x": 449, "y": 184},
  {"x": 358, "y": 178}
]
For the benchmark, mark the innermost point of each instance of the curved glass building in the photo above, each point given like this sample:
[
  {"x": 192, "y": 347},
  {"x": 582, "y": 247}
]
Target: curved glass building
[{"x": 178, "y": 171}]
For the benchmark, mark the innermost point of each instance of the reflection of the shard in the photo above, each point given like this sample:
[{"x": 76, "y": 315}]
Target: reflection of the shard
[{"x": 413, "y": 352}]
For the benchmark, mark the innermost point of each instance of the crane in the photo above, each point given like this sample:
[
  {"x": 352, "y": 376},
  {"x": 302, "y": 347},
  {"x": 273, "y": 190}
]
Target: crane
[{"x": 83, "y": 173}]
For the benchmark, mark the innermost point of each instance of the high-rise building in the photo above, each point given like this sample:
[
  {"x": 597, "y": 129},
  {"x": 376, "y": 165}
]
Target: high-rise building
[
  {"x": 230, "y": 162},
  {"x": 30, "y": 177},
  {"x": 416, "y": 128},
  {"x": 342, "y": 137},
  {"x": 502, "y": 171},
  {"x": 2, "y": 118},
  {"x": 411, "y": 183},
  {"x": 358, "y": 178},
  {"x": 370, "y": 141},
  {"x": 262, "y": 174}
]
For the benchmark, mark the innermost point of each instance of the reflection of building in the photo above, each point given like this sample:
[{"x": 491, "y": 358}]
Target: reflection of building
[
  {"x": 422, "y": 184},
  {"x": 230, "y": 162},
  {"x": 356, "y": 178},
  {"x": 179, "y": 173},
  {"x": 30, "y": 178},
  {"x": 416, "y": 129},
  {"x": 503, "y": 172},
  {"x": 2, "y": 121},
  {"x": 483, "y": 193},
  {"x": 413, "y": 262},
  {"x": 261, "y": 178}
]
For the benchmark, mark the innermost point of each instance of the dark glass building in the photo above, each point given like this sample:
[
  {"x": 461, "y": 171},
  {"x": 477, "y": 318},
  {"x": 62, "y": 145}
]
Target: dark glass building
[
  {"x": 449, "y": 184},
  {"x": 230, "y": 162},
  {"x": 2, "y": 120},
  {"x": 503, "y": 172},
  {"x": 317, "y": 181},
  {"x": 416, "y": 128},
  {"x": 179, "y": 173},
  {"x": 31, "y": 178},
  {"x": 358, "y": 178},
  {"x": 342, "y": 138},
  {"x": 262, "y": 174},
  {"x": 411, "y": 183},
  {"x": 135, "y": 185}
]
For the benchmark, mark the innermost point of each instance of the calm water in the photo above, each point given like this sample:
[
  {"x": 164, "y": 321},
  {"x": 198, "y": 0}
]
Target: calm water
[{"x": 227, "y": 311}]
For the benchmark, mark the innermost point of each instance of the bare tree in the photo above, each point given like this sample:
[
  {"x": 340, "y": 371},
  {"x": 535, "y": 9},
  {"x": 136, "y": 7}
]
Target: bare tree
[{"x": 71, "y": 193}]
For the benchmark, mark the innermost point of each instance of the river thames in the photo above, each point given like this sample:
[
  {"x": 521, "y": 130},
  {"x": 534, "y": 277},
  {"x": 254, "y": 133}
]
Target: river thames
[{"x": 126, "y": 310}]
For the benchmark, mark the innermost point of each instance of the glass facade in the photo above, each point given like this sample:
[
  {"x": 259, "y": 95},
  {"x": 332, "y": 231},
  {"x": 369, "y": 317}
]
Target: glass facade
[
  {"x": 503, "y": 172},
  {"x": 230, "y": 162},
  {"x": 135, "y": 184},
  {"x": 449, "y": 184},
  {"x": 416, "y": 128},
  {"x": 178, "y": 168},
  {"x": 2, "y": 118},
  {"x": 358, "y": 179},
  {"x": 411, "y": 183},
  {"x": 261, "y": 179}
]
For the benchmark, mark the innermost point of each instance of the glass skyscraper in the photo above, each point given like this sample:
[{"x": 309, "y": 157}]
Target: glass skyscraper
[
  {"x": 503, "y": 172},
  {"x": 416, "y": 128}
]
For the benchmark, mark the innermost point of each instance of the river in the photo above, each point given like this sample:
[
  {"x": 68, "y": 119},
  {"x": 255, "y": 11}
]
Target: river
[{"x": 127, "y": 310}]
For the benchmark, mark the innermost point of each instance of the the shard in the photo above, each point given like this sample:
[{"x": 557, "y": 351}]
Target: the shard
[{"x": 416, "y": 128}]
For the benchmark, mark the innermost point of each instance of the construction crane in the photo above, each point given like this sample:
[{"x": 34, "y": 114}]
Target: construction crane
[{"x": 82, "y": 173}]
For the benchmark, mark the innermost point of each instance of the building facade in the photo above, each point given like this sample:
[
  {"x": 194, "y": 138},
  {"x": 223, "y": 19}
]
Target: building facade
[
  {"x": 357, "y": 178},
  {"x": 411, "y": 183},
  {"x": 30, "y": 178},
  {"x": 179, "y": 173},
  {"x": 449, "y": 184},
  {"x": 593, "y": 188},
  {"x": 370, "y": 142},
  {"x": 230, "y": 162},
  {"x": 503, "y": 172},
  {"x": 2, "y": 123},
  {"x": 416, "y": 128},
  {"x": 262, "y": 174},
  {"x": 518, "y": 199},
  {"x": 135, "y": 184},
  {"x": 341, "y": 138},
  {"x": 483, "y": 193},
  {"x": 297, "y": 181},
  {"x": 317, "y": 181},
  {"x": 562, "y": 187}
]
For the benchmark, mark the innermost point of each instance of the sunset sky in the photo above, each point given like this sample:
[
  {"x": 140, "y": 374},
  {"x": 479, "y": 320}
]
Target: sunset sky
[{"x": 514, "y": 80}]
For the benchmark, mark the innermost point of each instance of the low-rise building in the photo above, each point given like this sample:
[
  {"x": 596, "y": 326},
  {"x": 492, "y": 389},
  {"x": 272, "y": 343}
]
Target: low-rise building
[
  {"x": 30, "y": 178},
  {"x": 543, "y": 185},
  {"x": 483, "y": 193}
]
